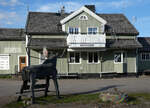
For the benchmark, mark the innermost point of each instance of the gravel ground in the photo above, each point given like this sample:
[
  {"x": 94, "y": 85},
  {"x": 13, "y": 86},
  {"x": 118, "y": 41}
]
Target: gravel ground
[{"x": 8, "y": 88}]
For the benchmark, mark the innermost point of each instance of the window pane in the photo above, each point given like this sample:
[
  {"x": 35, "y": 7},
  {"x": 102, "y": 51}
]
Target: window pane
[
  {"x": 76, "y": 30},
  {"x": 94, "y": 30},
  {"x": 72, "y": 58},
  {"x": 71, "y": 30},
  {"x": 77, "y": 57},
  {"x": 95, "y": 57},
  {"x": 143, "y": 56},
  {"x": 89, "y": 30},
  {"x": 147, "y": 56},
  {"x": 90, "y": 58},
  {"x": 117, "y": 57}
]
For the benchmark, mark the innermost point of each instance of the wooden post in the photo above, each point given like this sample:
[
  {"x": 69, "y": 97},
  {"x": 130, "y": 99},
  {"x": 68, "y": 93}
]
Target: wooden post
[{"x": 32, "y": 81}]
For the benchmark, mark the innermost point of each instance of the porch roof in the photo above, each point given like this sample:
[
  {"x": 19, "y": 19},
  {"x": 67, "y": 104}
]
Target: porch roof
[
  {"x": 40, "y": 43},
  {"x": 123, "y": 44}
]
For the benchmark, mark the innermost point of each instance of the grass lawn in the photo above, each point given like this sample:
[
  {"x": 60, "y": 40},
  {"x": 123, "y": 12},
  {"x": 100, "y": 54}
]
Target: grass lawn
[{"x": 134, "y": 99}]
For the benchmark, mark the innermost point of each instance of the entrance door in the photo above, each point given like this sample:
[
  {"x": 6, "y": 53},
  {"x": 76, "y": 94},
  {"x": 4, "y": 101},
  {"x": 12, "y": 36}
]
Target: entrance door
[
  {"x": 22, "y": 62},
  {"x": 120, "y": 62}
]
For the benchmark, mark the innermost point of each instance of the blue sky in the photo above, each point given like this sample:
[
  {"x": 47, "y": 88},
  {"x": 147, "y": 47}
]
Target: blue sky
[{"x": 13, "y": 13}]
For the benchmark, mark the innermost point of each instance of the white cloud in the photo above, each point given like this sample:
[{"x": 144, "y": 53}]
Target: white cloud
[
  {"x": 9, "y": 18},
  {"x": 69, "y": 6},
  {"x": 72, "y": 6},
  {"x": 10, "y": 3}
]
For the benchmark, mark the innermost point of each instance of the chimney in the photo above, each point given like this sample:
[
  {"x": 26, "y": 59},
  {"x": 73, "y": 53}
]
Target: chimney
[
  {"x": 91, "y": 7},
  {"x": 62, "y": 11}
]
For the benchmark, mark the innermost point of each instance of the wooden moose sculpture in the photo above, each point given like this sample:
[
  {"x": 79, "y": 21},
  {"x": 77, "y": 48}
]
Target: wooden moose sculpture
[{"x": 46, "y": 71}]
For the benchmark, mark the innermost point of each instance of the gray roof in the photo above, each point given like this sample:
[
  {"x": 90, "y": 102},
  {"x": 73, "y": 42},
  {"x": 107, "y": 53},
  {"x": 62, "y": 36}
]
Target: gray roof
[
  {"x": 39, "y": 43},
  {"x": 123, "y": 44},
  {"x": 49, "y": 23},
  {"x": 145, "y": 42},
  {"x": 11, "y": 34},
  {"x": 118, "y": 24},
  {"x": 44, "y": 23}
]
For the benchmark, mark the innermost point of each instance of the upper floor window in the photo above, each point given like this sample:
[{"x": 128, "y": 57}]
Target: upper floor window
[
  {"x": 145, "y": 56},
  {"x": 83, "y": 17},
  {"x": 92, "y": 30},
  {"x": 73, "y": 30},
  {"x": 92, "y": 57}
]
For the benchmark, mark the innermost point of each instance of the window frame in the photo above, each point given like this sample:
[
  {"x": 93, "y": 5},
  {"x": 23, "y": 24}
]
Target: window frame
[
  {"x": 85, "y": 16},
  {"x": 74, "y": 57},
  {"x": 74, "y": 29},
  {"x": 92, "y": 31},
  {"x": 145, "y": 56},
  {"x": 122, "y": 58},
  {"x": 98, "y": 61}
]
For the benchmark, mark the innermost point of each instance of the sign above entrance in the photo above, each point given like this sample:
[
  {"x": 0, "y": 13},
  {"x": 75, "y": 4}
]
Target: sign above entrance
[{"x": 12, "y": 50}]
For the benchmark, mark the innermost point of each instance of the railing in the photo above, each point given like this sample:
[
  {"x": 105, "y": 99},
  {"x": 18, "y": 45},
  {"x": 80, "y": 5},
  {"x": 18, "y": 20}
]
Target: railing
[{"x": 78, "y": 40}]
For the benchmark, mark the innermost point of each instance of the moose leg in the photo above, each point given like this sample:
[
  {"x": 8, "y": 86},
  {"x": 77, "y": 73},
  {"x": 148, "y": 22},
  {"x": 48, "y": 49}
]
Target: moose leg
[
  {"x": 47, "y": 85},
  {"x": 32, "y": 79},
  {"x": 22, "y": 89},
  {"x": 56, "y": 87}
]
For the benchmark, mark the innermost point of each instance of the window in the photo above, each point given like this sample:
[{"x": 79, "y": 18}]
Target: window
[
  {"x": 83, "y": 17},
  {"x": 145, "y": 56},
  {"x": 117, "y": 58},
  {"x": 42, "y": 58},
  {"x": 73, "y": 30},
  {"x": 74, "y": 57},
  {"x": 92, "y": 30},
  {"x": 92, "y": 57}
]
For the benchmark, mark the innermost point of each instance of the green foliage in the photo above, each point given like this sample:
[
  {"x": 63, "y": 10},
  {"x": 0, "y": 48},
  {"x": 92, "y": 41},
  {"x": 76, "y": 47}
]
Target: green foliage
[{"x": 5, "y": 76}]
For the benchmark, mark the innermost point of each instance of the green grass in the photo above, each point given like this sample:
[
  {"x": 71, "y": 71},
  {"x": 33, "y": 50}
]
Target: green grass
[
  {"x": 134, "y": 98},
  {"x": 5, "y": 76}
]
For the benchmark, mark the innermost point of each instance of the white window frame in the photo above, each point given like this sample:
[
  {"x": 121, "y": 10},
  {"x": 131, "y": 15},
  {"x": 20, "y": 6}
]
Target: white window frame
[
  {"x": 93, "y": 58},
  {"x": 145, "y": 56},
  {"x": 8, "y": 61},
  {"x": 74, "y": 28},
  {"x": 121, "y": 57},
  {"x": 92, "y": 33},
  {"x": 85, "y": 16},
  {"x": 74, "y": 56}
]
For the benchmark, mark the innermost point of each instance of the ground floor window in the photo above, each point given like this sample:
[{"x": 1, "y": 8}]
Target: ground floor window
[
  {"x": 92, "y": 57},
  {"x": 4, "y": 62},
  {"x": 119, "y": 57},
  {"x": 145, "y": 56},
  {"x": 74, "y": 57}
]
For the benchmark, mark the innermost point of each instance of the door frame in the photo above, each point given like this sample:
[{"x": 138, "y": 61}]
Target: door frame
[{"x": 19, "y": 61}]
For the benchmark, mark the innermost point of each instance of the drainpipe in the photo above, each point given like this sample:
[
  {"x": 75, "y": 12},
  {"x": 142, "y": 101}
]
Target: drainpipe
[{"x": 28, "y": 49}]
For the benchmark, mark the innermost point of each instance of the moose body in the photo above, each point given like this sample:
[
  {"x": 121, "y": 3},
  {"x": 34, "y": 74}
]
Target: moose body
[
  {"x": 48, "y": 68},
  {"x": 46, "y": 71}
]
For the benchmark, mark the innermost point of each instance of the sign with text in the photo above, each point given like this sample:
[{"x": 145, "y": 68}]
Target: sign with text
[
  {"x": 4, "y": 62},
  {"x": 12, "y": 50}
]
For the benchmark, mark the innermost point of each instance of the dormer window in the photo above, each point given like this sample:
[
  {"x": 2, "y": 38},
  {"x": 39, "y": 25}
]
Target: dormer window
[{"x": 83, "y": 17}]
